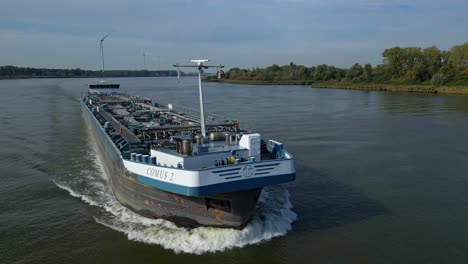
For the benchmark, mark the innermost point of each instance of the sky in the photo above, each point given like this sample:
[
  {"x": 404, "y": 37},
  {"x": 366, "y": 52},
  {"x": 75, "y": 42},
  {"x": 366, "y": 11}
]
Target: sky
[{"x": 240, "y": 33}]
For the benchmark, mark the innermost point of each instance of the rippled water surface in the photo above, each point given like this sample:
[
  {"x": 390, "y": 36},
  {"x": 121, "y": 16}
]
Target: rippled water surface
[{"x": 381, "y": 178}]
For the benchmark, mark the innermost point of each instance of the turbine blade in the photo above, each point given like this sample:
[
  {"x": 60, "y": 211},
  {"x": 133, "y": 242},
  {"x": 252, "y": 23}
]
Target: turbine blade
[{"x": 103, "y": 38}]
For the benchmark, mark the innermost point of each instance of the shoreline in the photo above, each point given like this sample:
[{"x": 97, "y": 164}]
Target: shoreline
[
  {"x": 80, "y": 77},
  {"x": 257, "y": 82},
  {"x": 382, "y": 87},
  {"x": 407, "y": 88}
]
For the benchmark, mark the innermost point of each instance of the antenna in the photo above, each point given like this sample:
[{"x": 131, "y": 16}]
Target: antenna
[
  {"x": 200, "y": 67},
  {"x": 101, "y": 46}
]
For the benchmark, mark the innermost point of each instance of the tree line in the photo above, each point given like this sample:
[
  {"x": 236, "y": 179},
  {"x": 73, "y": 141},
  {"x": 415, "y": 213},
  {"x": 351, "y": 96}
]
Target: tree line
[
  {"x": 405, "y": 65},
  {"x": 11, "y": 72}
]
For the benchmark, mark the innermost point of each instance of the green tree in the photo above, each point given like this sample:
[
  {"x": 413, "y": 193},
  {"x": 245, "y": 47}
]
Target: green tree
[
  {"x": 330, "y": 73},
  {"x": 411, "y": 56},
  {"x": 273, "y": 68},
  {"x": 319, "y": 74},
  {"x": 438, "y": 79},
  {"x": 355, "y": 73},
  {"x": 432, "y": 60},
  {"x": 311, "y": 73},
  {"x": 394, "y": 58},
  {"x": 367, "y": 74},
  {"x": 341, "y": 74},
  {"x": 445, "y": 56},
  {"x": 459, "y": 55}
]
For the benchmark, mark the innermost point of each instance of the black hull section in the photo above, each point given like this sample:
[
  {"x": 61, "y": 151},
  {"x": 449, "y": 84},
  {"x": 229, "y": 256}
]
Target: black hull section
[{"x": 232, "y": 210}]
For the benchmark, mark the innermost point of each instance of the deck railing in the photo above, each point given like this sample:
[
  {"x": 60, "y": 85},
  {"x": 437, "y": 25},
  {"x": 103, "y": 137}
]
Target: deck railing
[{"x": 209, "y": 118}]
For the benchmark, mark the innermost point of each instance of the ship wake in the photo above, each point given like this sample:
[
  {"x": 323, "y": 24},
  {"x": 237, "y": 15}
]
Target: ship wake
[{"x": 274, "y": 217}]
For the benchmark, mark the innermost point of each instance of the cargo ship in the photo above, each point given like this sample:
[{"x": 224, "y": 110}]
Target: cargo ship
[{"x": 165, "y": 162}]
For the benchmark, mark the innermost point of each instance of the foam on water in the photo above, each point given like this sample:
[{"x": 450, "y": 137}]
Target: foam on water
[
  {"x": 274, "y": 217},
  {"x": 75, "y": 194}
]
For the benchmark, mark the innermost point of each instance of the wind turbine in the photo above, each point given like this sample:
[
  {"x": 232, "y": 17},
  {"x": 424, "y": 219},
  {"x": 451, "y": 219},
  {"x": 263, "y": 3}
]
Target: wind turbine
[
  {"x": 200, "y": 66},
  {"x": 102, "y": 50},
  {"x": 109, "y": 87},
  {"x": 144, "y": 58},
  {"x": 178, "y": 71}
]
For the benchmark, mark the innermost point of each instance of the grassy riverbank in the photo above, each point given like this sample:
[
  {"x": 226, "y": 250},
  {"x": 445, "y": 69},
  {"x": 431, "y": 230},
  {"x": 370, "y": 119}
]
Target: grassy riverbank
[
  {"x": 412, "y": 88},
  {"x": 408, "y": 69},
  {"x": 389, "y": 87},
  {"x": 259, "y": 82}
]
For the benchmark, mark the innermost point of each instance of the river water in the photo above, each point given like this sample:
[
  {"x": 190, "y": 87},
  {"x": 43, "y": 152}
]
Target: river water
[{"x": 381, "y": 178}]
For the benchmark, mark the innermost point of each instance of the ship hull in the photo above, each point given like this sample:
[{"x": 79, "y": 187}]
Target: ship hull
[{"x": 233, "y": 209}]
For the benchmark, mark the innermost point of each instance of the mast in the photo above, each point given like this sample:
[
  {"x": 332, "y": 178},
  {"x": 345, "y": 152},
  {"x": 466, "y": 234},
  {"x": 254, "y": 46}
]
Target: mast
[
  {"x": 202, "y": 106},
  {"x": 200, "y": 67}
]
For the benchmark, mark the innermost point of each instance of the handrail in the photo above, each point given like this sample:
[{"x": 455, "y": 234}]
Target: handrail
[{"x": 210, "y": 118}]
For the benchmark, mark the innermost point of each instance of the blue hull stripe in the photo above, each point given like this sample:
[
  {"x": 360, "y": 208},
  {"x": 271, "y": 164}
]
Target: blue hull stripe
[
  {"x": 266, "y": 165},
  {"x": 266, "y": 169},
  {"x": 230, "y": 173},
  {"x": 226, "y": 170},
  {"x": 232, "y": 177},
  {"x": 233, "y": 186}
]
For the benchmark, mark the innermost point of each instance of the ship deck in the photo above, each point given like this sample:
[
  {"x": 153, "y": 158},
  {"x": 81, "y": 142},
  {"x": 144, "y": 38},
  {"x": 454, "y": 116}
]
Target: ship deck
[{"x": 141, "y": 125}]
